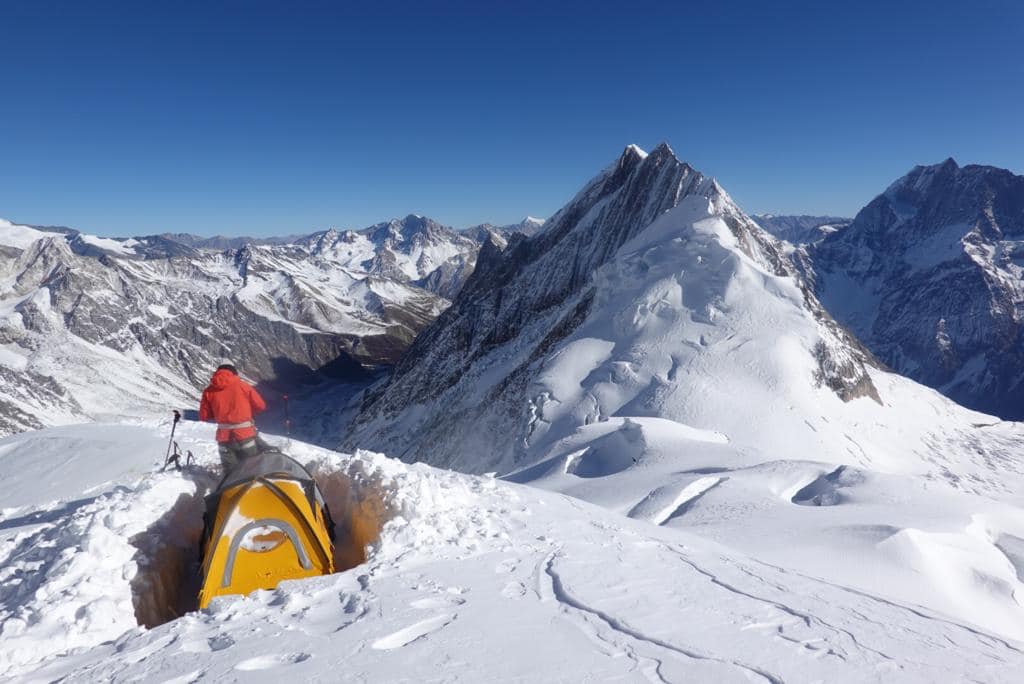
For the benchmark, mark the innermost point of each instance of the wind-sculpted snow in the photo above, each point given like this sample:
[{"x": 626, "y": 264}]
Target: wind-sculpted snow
[
  {"x": 94, "y": 327},
  {"x": 471, "y": 579},
  {"x": 929, "y": 276},
  {"x": 926, "y": 528}
]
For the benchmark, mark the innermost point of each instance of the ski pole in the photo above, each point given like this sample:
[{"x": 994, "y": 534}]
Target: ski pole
[{"x": 174, "y": 426}]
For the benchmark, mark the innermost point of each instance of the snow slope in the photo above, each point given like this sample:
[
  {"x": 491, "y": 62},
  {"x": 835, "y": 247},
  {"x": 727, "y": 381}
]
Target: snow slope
[
  {"x": 689, "y": 378},
  {"x": 19, "y": 237},
  {"x": 472, "y": 579}
]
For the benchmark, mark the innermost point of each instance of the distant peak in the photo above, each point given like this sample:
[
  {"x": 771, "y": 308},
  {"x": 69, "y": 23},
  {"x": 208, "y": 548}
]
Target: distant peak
[
  {"x": 948, "y": 164},
  {"x": 663, "y": 151},
  {"x": 634, "y": 150},
  {"x": 664, "y": 148}
]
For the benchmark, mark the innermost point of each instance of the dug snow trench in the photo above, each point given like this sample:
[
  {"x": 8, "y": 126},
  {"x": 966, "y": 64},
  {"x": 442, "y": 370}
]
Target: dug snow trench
[
  {"x": 77, "y": 573},
  {"x": 168, "y": 559}
]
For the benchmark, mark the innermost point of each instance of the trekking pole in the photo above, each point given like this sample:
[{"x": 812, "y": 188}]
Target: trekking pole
[{"x": 174, "y": 426}]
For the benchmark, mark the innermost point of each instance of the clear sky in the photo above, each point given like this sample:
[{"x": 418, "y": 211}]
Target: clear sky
[{"x": 273, "y": 118}]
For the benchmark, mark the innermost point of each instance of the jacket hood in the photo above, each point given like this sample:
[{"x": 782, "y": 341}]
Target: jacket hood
[{"x": 222, "y": 379}]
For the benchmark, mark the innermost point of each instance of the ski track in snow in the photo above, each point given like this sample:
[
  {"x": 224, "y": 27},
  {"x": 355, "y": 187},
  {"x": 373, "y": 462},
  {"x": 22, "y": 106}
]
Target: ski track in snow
[{"x": 559, "y": 592}]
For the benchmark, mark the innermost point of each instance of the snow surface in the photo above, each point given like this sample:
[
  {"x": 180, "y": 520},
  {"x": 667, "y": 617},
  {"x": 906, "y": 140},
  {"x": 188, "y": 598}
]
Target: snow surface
[
  {"x": 20, "y": 237},
  {"x": 111, "y": 245},
  {"x": 690, "y": 396},
  {"x": 702, "y": 337},
  {"x": 472, "y": 579}
]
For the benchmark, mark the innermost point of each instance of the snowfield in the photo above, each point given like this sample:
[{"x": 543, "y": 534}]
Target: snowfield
[{"x": 471, "y": 579}]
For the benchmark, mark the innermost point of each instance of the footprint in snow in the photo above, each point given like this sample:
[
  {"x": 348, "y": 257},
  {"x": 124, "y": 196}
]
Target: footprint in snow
[
  {"x": 507, "y": 565},
  {"x": 265, "y": 662},
  {"x": 406, "y": 636},
  {"x": 220, "y": 642},
  {"x": 514, "y": 590}
]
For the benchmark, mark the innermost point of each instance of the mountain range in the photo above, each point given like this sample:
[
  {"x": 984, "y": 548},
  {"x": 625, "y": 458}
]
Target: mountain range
[{"x": 93, "y": 327}]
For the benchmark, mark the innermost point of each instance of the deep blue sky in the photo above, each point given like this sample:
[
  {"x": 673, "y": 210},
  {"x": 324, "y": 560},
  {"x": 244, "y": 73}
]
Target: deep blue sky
[{"x": 273, "y": 118}]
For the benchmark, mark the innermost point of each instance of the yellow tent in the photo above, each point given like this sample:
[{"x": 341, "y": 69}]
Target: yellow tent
[{"x": 265, "y": 523}]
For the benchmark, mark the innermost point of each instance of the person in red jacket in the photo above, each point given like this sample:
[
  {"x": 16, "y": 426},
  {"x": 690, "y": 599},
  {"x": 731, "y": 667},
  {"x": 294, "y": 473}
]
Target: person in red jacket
[{"x": 231, "y": 403}]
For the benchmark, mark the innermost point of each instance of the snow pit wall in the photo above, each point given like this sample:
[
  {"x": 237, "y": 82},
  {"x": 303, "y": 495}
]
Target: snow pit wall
[
  {"x": 168, "y": 557},
  {"x": 356, "y": 500},
  {"x": 166, "y": 583}
]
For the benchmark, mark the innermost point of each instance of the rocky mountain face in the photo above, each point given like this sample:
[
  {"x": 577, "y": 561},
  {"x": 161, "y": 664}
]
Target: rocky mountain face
[
  {"x": 799, "y": 230},
  {"x": 94, "y": 326},
  {"x": 631, "y": 302},
  {"x": 415, "y": 250},
  {"x": 529, "y": 227},
  {"x": 930, "y": 276}
]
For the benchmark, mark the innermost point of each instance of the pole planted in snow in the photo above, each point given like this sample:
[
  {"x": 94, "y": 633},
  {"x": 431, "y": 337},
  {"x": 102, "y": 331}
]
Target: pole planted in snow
[{"x": 170, "y": 442}]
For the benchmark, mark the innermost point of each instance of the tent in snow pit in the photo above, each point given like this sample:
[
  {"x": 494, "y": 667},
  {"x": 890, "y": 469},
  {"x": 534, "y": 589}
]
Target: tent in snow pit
[{"x": 265, "y": 523}]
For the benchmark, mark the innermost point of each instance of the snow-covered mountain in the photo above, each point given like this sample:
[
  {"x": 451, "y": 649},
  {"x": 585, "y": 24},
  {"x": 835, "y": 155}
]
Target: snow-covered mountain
[
  {"x": 529, "y": 227},
  {"x": 471, "y": 579},
  {"x": 656, "y": 352},
  {"x": 930, "y": 277},
  {"x": 414, "y": 250},
  {"x": 647, "y": 247},
  {"x": 802, "y": 229},
  {"x": 93, "y": 327}
]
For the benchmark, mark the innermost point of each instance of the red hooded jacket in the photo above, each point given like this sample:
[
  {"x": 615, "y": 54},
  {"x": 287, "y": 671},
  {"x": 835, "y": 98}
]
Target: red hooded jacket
[{"x": 230, "y": 400}]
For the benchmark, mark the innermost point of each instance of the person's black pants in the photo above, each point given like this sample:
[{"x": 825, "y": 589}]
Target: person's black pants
[{"x": 231, "y": 453}]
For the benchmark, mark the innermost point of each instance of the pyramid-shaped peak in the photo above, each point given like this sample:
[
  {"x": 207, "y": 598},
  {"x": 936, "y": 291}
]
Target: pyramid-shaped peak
[
  {"x": 663, "y": 150},
  {"x": 633, "y": 150}
]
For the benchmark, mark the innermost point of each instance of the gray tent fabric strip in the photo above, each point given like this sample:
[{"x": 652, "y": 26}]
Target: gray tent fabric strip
[
  {"x": 229, "y": 566},
  {"x": 269, "y": 463}
]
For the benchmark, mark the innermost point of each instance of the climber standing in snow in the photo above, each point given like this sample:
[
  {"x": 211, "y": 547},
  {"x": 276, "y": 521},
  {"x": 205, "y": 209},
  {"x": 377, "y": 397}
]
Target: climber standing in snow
[{"x": 231, "y": 403}]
